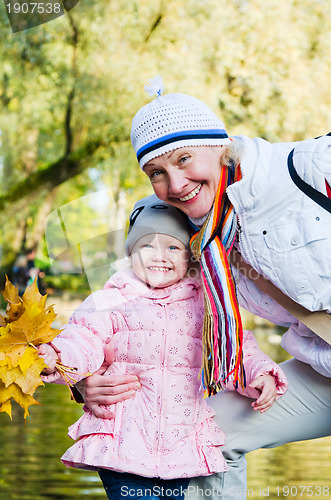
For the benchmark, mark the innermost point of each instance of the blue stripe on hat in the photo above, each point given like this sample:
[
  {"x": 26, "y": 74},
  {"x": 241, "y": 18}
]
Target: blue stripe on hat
[{"x": 181, "y": 136}]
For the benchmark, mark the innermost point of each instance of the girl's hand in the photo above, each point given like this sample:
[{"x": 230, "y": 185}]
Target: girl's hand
[
  {"x": 265, "y": 384},
  {"x": 50, "y": 357}
]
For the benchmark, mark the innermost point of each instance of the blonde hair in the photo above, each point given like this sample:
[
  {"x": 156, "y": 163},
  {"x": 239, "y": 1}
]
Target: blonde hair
[{"x": 232, "y": 153}]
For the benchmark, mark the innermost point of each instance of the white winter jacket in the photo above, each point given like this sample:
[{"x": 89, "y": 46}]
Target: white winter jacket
[{"x": 286, "y": 237}]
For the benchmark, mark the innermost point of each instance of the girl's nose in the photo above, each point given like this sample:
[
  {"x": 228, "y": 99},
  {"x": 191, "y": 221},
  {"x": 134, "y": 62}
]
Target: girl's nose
[{"x": 159, "y": 254}]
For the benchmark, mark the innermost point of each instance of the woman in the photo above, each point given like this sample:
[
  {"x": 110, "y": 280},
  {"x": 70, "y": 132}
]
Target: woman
[{"x": 254, "y": 206}]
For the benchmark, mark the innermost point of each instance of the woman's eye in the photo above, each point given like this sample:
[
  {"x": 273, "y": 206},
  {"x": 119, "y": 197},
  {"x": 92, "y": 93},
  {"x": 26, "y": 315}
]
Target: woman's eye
[
  {"x": 183, "y": 159},
  {"x": 155, "y": 174}
]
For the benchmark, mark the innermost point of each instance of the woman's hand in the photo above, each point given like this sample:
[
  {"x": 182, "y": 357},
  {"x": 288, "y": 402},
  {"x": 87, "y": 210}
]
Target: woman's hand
[
  {"x": 265, "y": 384},
  {"x": 50, "y": 357},
  {"x": 99, "y": 389}
]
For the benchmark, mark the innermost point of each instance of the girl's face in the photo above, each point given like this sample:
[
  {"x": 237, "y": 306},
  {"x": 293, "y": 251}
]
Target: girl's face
[
  {"x": 187, "y": 178},
  {"x": 159, "y": 260}
]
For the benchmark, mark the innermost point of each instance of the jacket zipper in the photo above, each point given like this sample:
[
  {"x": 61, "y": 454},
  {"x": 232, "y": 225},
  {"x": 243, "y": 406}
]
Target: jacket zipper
[
  {"x": 164, "y": 352},
  {"x": 241, "y": 240},
  {"x": 239, "y": 229}
]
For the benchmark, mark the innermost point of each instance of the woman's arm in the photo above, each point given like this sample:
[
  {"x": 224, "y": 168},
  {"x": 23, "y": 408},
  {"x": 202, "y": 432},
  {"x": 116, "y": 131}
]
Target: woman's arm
[
  {"x": 298, "y": 340},
  {"x": 100, "y": 389},
  {"x": 251, "y": 298}
]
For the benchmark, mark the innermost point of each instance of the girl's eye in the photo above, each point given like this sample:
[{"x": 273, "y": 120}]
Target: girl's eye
[
  {"x": 147, "y": 245},
  {"x": 173, "y": 247}
]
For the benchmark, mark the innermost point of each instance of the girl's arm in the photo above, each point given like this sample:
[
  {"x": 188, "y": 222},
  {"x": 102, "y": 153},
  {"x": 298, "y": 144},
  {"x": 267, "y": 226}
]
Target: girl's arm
[
  {"x": 265, "y": 380},
  {"x": 81, "y": 343}
]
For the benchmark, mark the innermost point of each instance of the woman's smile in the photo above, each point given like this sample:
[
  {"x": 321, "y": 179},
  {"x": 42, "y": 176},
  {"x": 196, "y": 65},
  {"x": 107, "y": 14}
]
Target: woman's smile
[
  {"x": 187, "y": 178},
  {"x": 192, "y": 194}
]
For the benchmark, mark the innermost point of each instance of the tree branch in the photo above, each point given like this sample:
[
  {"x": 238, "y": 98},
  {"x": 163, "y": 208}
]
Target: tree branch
[
  {"x": 52, "y": 175},
  {"x": 153, "y": 27},
  {"x": 71, "y": 95}
]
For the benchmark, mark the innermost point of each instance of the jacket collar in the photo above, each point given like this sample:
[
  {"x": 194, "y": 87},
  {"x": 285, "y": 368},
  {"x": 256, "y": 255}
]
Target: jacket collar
[{"x": 132, "y": 287}]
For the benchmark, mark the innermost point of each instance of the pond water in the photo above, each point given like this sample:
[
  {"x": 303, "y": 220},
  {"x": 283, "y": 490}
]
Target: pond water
[{"x": 30, "y": 467}]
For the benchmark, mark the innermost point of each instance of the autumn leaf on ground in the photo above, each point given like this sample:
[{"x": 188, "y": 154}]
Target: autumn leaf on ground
[{"x": 27, "y": 324}]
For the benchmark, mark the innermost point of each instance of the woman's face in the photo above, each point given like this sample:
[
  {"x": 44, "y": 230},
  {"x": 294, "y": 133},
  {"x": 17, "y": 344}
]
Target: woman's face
[{"x": 187, "y": 178}]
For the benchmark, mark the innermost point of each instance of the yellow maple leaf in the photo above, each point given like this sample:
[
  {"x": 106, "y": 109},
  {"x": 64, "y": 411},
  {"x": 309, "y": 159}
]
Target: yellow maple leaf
[
  {"x": 29, "y": 357},
  {"x": 28, "y": 331},
  {"x": 33, "y": 300},
  {"x": 29, "y": 380},
  {"x": 27, "y": 324},
  {"x": 14, "y": 302},
  {"x": 4, "y": 329},
  {"x": 6, "y": 407},
  {"x": 2, "y": 321},
  {"x": 15, "y": 392}
]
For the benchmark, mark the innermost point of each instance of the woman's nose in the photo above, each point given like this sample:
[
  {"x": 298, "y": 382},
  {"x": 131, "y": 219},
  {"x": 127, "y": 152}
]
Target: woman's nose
[{"x": 177, "y": 182}]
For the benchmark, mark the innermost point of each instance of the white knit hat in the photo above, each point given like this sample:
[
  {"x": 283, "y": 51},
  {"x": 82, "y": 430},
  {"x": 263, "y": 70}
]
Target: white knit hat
[
  {"x": 151, "y": 216},
  {"x": 173, "y": 121}
]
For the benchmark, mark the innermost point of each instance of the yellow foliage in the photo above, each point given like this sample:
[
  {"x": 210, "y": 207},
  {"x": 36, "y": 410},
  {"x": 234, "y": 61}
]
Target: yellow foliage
[
  {"x": 30, "y": 329},
  {"x": 14, "y": 302},
  {"x": 27, "y": 324},
  {"x": 15, "y": 392},
  {"x": 29, "y": 380}
]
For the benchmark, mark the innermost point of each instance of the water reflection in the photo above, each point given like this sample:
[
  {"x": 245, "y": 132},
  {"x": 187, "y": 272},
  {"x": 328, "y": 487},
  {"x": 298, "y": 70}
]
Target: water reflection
[{"x": 30, "y": 467}]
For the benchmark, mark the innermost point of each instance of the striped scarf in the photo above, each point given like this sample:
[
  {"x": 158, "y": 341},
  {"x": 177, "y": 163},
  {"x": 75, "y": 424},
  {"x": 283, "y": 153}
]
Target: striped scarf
[{"x": 222, "y": 329}]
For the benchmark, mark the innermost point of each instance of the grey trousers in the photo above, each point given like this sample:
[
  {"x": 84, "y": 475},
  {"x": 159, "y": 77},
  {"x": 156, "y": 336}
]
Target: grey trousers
[{"x": 304, "y": 412}]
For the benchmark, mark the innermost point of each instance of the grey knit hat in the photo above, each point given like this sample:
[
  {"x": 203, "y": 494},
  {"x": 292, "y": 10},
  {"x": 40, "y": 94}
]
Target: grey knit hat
[
  {"x": 173, "y": 121},
  {"x": 150, "y": 216}
]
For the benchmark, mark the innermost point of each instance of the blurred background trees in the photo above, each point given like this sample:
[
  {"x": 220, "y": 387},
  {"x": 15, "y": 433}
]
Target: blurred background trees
[{"x": 69, "y": 90}]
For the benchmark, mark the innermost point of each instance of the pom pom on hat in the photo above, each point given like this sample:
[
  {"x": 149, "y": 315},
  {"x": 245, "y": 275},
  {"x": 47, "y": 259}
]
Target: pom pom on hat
[
  {"x": 173, "y": 121},
  {"x": 155, "y": 86}
]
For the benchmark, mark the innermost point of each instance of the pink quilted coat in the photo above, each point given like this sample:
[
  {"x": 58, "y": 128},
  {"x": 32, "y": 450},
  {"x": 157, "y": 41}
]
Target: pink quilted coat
[{"x": 167, "y": 429}]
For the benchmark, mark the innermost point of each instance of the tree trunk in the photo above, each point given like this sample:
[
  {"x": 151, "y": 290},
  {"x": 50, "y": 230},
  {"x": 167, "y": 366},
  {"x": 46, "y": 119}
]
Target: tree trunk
[{"x": 35, "y": 236}]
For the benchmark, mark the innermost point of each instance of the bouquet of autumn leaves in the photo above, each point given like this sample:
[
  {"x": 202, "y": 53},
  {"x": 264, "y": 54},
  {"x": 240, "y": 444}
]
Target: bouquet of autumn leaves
[{"x": 27, "y": 324}]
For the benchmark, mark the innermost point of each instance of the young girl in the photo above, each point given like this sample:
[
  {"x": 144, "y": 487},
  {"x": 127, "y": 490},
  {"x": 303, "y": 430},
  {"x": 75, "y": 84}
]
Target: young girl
[{"x": 153, "y": 312}]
